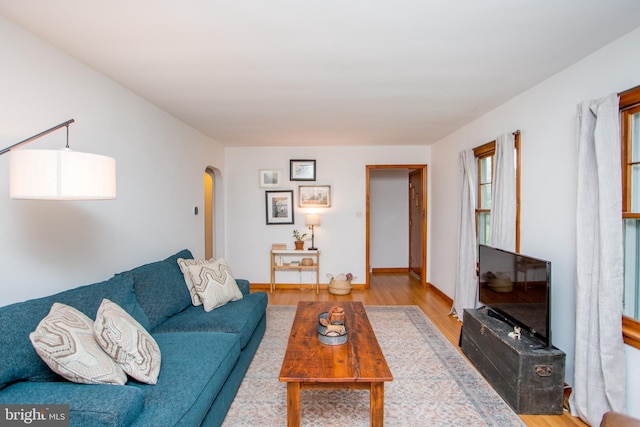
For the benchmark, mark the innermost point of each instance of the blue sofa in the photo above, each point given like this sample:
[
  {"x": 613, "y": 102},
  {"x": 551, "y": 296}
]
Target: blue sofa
[{"x": 204, "y": 355}]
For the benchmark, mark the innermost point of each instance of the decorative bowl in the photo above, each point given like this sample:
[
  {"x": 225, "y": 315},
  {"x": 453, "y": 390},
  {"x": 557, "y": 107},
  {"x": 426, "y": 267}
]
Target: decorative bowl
[{"x": 331, "y": 337}]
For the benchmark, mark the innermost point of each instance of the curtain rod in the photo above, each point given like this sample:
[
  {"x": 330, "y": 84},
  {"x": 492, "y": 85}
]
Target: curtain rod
[{"x": 31, "y": 138}]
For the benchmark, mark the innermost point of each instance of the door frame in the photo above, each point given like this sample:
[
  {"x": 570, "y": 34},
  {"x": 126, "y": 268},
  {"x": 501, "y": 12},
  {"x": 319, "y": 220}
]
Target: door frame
[
  {"x": 213, "y": 198},
  {"x": 422, "y": 168}
]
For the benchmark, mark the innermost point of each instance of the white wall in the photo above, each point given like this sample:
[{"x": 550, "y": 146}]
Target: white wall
[
  {"x": 389, "y": 226},
  {"x": 546, "y": 116},
  {"x": 341, "y": 234},
  {"x": 48, "y": 246}
]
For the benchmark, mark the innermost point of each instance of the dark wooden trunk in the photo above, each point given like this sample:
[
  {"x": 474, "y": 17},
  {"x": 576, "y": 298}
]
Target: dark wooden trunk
[{"x": 529, "y": 378}]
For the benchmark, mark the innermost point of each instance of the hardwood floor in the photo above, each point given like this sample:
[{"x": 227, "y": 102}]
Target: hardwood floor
[{"x": 402, "y": 289}]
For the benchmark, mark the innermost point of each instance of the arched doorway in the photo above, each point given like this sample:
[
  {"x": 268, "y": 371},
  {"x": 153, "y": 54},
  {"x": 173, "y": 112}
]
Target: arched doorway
[{"x": 213, "y": 214}]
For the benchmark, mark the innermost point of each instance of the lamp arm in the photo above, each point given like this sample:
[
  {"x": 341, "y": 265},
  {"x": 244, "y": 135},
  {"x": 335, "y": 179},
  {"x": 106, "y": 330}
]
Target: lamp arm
[{"x": 46, "y": 132}]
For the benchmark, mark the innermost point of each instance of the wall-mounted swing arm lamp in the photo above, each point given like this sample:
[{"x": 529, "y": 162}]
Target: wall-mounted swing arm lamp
[{"x": 59, "y": 174}]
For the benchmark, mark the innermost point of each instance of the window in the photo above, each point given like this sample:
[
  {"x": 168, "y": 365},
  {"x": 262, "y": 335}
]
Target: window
[
  {"x": 483, "y": 211},
  {"x": 484, "y": 157},
  {"x": 630, "y": 133}
]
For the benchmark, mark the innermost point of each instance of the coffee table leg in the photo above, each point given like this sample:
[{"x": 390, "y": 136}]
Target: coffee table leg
[
  {"x": 293, "y": 404},
  {"x": 376, "y": 406}
]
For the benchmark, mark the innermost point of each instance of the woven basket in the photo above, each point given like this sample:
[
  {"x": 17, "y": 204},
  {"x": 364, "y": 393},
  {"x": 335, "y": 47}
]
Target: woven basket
[
  {"x": 339, "y": 287},
  {"x": 501, "y": 285}
]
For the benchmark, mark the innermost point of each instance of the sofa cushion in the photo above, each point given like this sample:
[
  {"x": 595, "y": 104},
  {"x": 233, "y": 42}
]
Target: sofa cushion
[
  {"x": 195, "y": 367},
  {"x": 64, "y": 339},
  {"x": 127, "y": 342},
  {"x": 160, "y": 288},
  {"x": 239, "y": 317},
  {"x": 18, "y": 358},
  {"x": 214, "y": 283},
  {"x": 89, "y": 405}
]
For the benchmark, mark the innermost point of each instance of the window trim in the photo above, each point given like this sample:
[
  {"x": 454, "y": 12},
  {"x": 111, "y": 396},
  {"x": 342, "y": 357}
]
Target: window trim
[{"x": 628, "y": 99}]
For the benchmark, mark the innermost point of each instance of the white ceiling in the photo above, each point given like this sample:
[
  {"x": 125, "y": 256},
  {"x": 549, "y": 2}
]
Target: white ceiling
[{"x": 350, "y": 72}]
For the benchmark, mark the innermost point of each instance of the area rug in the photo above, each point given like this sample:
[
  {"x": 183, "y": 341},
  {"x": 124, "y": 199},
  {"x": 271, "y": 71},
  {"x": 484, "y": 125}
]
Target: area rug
[{"x": 433, "y": 385}]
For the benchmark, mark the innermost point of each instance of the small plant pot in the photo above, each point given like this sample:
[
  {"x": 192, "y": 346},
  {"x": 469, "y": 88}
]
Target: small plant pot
[{"x": 299, "y": 245}]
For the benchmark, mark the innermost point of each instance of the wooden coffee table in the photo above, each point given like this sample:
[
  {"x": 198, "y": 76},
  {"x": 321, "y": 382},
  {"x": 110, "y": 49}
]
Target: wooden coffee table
[{"x": 357, "y": 364}]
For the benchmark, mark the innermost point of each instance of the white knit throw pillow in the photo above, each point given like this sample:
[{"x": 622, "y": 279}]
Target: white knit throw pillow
[
  {"x": 64, "y": 340},
  {"x": 184, "y": 267},
  {"x": 127, "y": 342},
  {"x": 214, "y": 283}
]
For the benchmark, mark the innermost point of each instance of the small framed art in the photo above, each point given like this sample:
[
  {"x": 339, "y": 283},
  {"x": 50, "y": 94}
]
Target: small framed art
[
  {"x": 302, "y": 170},
  {"x": 270, "y": 178},
  {"x": 279, "y": 207},
  {"x": 314, "y": 196}
]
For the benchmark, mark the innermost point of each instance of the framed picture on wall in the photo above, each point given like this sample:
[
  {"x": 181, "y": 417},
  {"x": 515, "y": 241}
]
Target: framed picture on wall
[
  {"x": 279, "y": 207},
  {"x": 314, "y": 196},
  {"x": 302, "y": 170},
  {"x": 270, "y": 178}
]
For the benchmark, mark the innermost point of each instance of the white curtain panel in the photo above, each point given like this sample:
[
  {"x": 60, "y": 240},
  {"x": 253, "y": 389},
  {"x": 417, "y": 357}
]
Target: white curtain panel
[
  {"x": 599, "y": 351},
  {"x": 466, "y": 295},
  {"x": 502, "y": 223}
]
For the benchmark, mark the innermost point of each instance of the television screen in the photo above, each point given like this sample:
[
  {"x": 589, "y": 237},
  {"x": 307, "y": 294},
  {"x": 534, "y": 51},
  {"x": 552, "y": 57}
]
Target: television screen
[{"x": 515, "y": 288}]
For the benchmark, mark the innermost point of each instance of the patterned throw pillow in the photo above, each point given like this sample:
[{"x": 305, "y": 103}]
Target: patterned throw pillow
[
  {"x": 184, "y": 267},
  {"x": 214, "y": 283},
  {"x": 64, "y": 340},
  {"x": 127, "y": 342}
]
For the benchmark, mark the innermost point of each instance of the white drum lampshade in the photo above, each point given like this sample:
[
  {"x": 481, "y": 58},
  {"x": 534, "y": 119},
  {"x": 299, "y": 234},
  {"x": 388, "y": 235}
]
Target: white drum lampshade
[
  {"x": 312, "y": 219},
  {"x": 61, "y": 175}
]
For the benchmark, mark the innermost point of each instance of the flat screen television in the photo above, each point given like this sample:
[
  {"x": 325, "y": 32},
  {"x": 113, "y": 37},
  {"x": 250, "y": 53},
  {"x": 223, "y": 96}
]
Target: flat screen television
[{"x": 516, "y": 289}]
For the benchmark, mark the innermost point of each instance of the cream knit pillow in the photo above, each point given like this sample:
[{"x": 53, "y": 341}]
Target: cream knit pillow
[
  {"x": 184, "y": 267},
  {"x": 127, "y": 342},
  {"x": 214, "y": 283},
  {"x": 64, "y": 340}
]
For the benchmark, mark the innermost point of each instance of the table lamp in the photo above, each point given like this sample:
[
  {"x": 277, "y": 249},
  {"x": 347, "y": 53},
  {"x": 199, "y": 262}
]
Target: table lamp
[{"x": 311, "y": 220}]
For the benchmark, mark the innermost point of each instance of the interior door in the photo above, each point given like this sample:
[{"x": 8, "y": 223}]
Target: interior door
[{"x": 415, "y": 223}]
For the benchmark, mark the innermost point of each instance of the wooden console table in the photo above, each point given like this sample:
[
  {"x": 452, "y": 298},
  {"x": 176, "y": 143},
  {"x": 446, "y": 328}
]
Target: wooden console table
[{"x": 286, "y": 256}]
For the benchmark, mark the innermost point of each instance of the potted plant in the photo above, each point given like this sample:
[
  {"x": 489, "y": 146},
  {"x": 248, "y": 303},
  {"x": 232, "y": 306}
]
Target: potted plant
[{"x": 299, "y": 239}]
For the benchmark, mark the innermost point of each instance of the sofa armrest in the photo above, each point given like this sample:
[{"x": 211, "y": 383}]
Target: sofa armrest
[
  {"x": 244, "y": 285},
  {"x": 96, "y": 404},
  {"x": 617, "y": 419}
]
